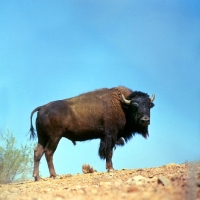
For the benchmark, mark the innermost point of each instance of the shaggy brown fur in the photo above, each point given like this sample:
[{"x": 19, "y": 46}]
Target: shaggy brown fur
[{"x": 99, "y": 114}]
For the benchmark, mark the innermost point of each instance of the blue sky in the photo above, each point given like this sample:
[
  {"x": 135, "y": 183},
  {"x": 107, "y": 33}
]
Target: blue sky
[{"x": 52, "y": 50}]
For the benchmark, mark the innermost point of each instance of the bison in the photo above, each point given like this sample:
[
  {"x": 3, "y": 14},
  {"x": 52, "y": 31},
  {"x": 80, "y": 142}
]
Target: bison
[{"x": 112, "y": 115}]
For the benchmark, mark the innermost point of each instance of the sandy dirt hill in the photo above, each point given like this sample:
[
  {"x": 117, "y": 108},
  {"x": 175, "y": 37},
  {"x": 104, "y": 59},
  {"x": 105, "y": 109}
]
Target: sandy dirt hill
[{"x": 169, "y": 182}]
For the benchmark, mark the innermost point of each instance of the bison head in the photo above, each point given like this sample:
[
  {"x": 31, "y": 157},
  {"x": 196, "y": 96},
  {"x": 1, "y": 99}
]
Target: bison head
[{"x": 138, "y": 105}]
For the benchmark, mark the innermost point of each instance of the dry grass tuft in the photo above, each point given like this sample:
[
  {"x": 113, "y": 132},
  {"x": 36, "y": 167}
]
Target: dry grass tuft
[{"x": 87, "y": 169}]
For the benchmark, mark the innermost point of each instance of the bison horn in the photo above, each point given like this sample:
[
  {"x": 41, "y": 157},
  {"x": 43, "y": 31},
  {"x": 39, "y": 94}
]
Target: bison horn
[
  {"x": 125, "y": 100},
  {"x": 152, "y": 98}
]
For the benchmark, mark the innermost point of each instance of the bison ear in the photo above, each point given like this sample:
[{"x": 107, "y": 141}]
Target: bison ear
[{"x": 152, "y": 105}]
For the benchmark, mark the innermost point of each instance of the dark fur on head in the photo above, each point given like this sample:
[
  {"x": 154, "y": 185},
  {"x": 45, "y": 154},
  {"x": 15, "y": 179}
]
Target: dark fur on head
[
  {"x": 137, "y": 94},
  {"x": 133, "y": 127}
]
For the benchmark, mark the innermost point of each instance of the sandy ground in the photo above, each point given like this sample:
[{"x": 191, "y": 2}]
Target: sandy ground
[{"x": 169, "y": 182}]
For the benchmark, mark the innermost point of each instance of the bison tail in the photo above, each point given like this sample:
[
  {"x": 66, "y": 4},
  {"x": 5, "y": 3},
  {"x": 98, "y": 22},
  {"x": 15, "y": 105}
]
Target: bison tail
[
  {"x": 32, "y": 133},
  {"x": 32, "y": 130}
]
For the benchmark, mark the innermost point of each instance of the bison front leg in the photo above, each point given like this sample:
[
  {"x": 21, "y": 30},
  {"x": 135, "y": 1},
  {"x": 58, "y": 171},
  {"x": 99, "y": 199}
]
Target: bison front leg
[
  {"x": 109, "y": 164},
  {"x": 105, "y": 151}
]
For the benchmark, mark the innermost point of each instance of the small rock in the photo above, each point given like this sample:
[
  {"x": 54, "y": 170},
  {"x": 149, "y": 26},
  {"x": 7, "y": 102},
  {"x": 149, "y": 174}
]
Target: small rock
[
  {"x": 65, "y": 176},
  {"x": 164, "y": 181},
  {"x": 139, "y": 180},
  {"x": 151, "y": 175},
  {"x": 138, "y": 170},
  {"x": 152, "y": 181}
]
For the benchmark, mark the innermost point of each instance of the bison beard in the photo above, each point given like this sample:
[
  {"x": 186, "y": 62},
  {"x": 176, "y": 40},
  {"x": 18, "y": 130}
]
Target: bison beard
[
  {"x": 105, "y": 146},
  {"x": 112, "y": 115}
]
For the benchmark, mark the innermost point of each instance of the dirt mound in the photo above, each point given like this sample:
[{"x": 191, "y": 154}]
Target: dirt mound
[{"x": 172, "y": 181}]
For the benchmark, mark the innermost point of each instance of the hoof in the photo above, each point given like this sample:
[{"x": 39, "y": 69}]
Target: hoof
[
  {"x": 37, "y": 178},
  {"x": 53, "y": 176},
  {"x": 110, "y": 170}
]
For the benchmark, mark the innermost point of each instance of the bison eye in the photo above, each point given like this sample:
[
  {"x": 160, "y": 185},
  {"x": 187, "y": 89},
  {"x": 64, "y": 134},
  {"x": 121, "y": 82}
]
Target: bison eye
[{"x": 135, "y": 104}]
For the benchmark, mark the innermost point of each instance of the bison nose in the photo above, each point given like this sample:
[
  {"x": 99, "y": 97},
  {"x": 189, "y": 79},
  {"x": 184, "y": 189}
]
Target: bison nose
[{"x": 145, "y": 121}]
